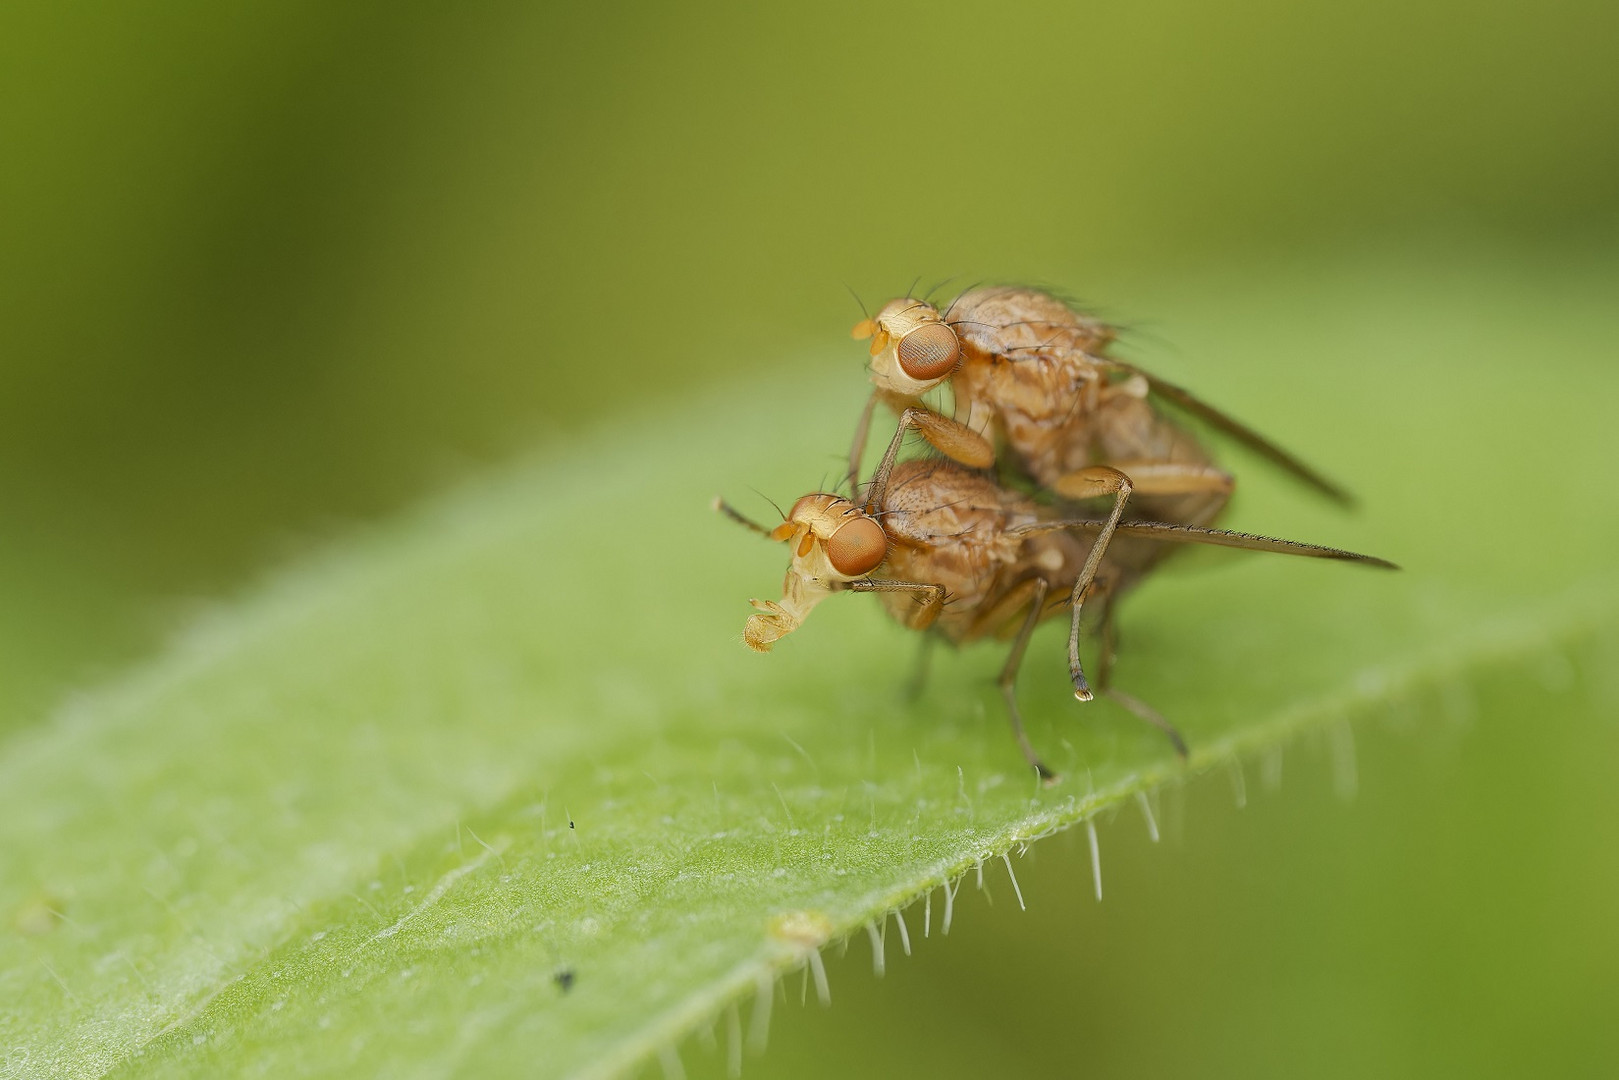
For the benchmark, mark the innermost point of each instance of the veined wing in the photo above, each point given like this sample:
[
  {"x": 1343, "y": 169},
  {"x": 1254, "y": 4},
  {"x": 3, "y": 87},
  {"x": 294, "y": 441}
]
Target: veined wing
[
  {"x": 1164, "y": 532},
  {"x": 1247, "y": 436}
]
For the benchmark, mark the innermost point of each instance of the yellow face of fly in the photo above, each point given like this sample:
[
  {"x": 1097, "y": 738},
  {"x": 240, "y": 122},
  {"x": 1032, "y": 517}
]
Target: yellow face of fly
[
  {"x": 833, "y": 541},
  {"x": 912, "y": 348}
]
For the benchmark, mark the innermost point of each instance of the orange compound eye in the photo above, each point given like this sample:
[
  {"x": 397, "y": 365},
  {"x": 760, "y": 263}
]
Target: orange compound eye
[
  {"x": 857, "y": 548},
  {"x": 929, "y": 352}
]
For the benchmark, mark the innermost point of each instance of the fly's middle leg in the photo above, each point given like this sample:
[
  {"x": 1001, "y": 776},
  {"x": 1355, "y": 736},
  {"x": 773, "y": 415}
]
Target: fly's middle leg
[
  {"x": 1008, "y": 679},
  {"x": 1104, "y": 680},
  {"x": 924, "y": 665}
]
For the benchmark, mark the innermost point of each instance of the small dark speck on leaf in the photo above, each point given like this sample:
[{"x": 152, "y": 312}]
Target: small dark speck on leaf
[{"x": 564, "y": 978}]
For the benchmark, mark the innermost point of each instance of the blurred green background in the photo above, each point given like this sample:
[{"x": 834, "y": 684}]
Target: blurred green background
[{"x": 268, "y": 271}]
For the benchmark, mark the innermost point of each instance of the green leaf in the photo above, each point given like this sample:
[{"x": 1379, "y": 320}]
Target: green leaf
[{"x": 496, "y": 789}]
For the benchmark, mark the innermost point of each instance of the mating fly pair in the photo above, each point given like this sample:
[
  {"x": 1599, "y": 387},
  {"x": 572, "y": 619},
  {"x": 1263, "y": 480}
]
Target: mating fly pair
[{"x": 951, "y": 544}]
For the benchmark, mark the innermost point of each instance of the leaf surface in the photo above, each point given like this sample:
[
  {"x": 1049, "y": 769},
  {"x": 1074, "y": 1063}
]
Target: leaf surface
[{"x": 496, "y": 789}]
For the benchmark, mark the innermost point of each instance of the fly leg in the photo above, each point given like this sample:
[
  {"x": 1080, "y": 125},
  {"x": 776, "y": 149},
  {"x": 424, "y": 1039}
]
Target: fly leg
[
  {"x": 924, "y": 664},
  {"x": 1089, "y": 483},
  {"x": 1158, "y": 478},
  {"x": 1110, "y": 646},
  {"x": 1008, "y": 681},
  {"x": 1186, "y": 492},
  {"x": 929, "y": 598},
  {"x": 857, "y": 448},
  {"x": 1146, "y": 712},
  {"x": 1174, "y": 478},
  {"x": 1104, "y": 677},
  {"x": 952, "y": 438}
]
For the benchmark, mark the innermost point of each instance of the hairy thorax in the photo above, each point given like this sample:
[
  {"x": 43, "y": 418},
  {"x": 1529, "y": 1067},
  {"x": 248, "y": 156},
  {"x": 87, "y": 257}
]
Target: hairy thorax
[
  {"x": 946, "y": 526},
  {"x": 1035, "y": 380},
  {"x": 953, "y": 527}
]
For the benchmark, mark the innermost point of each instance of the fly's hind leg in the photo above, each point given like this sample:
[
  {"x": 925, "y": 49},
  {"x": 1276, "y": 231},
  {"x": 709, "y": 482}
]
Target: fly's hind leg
[
  {"x": 1084, "y": 484},
  {"x": 1175, "y": 478},
  {"x": 1104, "y": 679},
  {"x": 1146, "y": 712},
  {"x": 1165, "y": 478},
  {"x": 1110, "y": 645},
  {"x": 1008, "y": 681}
]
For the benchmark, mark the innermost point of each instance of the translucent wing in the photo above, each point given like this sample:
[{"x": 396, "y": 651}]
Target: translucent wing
[
  {"x": 1164, "y": 532},
  {"x": 1247, "y": 436},
  {"x": 1193, "y": 534}
]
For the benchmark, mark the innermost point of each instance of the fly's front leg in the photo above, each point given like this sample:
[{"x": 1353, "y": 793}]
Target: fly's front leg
[
  {"x": 954, "y": 440},
  {"x": 929, "y": 598},
  {"x": 1008, "y": 680},
  {"x": 1157, "y": 478},
  {"x": 950, "y": 437}
]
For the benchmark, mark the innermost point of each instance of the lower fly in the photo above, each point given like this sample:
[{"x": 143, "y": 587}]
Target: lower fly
[{"x": 952, "y": 553}]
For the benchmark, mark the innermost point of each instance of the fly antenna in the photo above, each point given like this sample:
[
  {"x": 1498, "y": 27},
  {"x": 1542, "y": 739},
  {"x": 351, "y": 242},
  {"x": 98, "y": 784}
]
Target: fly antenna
[
  {"x": 723, "y": 507},
  {"x": 771, "y": 501},
  {"x": 857, "y": 300}
]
